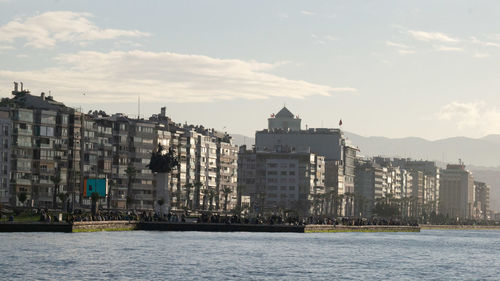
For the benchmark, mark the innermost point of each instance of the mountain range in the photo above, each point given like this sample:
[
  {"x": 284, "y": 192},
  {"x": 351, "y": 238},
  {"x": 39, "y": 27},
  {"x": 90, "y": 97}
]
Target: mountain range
[{"x": 481, "y": 156}]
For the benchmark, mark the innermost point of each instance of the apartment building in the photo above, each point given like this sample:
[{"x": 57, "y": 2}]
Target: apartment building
[
  {"x": 457, "y": 194},
  {"x": 5, "y": 154},
  {"x": 283, "y": 180}
]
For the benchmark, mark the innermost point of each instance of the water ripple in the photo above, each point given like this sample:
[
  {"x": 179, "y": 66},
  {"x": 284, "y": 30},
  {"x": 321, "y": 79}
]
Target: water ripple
[{"x": 140, "y": 255}]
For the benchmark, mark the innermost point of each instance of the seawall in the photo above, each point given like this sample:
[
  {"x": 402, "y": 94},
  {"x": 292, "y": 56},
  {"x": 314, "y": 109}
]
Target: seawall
[
  {"x": 89, "y": 226},
  {"x": 460, "y": 227},
  {"x": 207, "y": 227},
  {"x": 35, "y": 227},
  {"x": 362, "y": 228}
]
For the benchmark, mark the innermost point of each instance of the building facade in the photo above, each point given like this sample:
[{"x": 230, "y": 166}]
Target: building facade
[{"x": 456, "y": 192}]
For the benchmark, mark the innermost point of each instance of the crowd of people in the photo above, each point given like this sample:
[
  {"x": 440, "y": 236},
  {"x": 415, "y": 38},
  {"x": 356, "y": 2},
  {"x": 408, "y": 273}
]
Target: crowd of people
[{"x": 209, "y": 217}]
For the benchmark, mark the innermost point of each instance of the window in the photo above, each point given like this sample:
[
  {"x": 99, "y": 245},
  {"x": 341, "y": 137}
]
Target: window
[{"x": 25, "y": 116}]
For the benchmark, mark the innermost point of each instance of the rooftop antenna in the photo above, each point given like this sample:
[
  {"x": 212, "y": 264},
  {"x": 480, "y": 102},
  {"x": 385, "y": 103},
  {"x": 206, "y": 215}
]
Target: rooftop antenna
[{"x": 138, "y": 107}]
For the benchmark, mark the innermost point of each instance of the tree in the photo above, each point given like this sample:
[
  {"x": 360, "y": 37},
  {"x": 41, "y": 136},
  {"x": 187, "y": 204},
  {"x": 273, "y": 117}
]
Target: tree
[
  {"x": 95, "y": 201},
  {"x": 211, "y": 196},
  {"x": 226, "y": 191},
  {"x": 131, "y": 173},
  {"x": 56, "y": 179},
  {"x": 197, "y": 189},
  {"x": 205, "y": 197},
  {"x": 111, "y": 184},
  {"x": 239, "y": 192},
  {"x": 386, "y": 210},
  {"x": 63, "y": 197},
  {"x": 22, "y": 196},
  {"x": 188, "y": 187}
]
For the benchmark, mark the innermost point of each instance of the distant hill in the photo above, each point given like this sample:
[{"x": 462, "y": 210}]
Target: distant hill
[
  {"x": 482, "y": 155},
  {"x": 241, "y": 140},
  {"x": 483, "y": 152}
]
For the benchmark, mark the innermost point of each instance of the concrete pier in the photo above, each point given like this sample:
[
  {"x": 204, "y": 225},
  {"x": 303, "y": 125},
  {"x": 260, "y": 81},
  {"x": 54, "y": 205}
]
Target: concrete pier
[
  {"x": 90, "y": 226},
  {"x": 35, "y": 227}
]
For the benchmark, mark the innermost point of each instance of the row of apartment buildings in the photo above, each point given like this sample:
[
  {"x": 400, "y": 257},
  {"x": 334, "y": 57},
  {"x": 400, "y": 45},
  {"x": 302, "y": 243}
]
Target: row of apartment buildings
[
  {"x": 318, "y": 172},
  {"x": 48, "y": 148},
  {"x": 420, "y": 188}
]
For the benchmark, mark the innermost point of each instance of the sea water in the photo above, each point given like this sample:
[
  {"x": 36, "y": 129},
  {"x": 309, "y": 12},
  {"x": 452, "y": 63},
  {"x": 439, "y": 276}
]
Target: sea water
[{"x": 152, "y": 255}]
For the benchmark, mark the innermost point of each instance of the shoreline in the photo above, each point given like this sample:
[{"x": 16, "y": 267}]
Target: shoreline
[
  {"x": 94, "y": 226},
  {"x": 459, "y": 227}
]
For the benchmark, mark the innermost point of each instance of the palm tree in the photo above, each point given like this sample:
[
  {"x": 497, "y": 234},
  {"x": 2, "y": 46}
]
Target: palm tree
[
  {"x": 197, "y": 189},
  {"x": 239, "y": 192},
  {"x": 111, "y": 184},
  {"x": 56, "y": 179},
  {"x": 211, "y": 196},
  {"x": 63, "y": 197},
  {"x": 340, "y": 200},
  {"x": 205, "y": 197},
  {"x": 131, "y": 173},
  {"x": 95, "y": 201},
  {"x": 188, "y": 187},
  {"x": 226, "y": 191},
  {"x": 22, "y": 197}
]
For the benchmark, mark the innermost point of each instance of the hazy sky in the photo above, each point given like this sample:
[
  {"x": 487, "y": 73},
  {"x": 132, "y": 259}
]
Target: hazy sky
[{"x": 387, "y": 68}]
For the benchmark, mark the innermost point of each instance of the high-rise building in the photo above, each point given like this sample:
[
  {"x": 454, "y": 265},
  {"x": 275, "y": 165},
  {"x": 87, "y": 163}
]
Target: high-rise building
[
  {"x": 284, "y": 133},
  {"x": 456, "y": 192}
]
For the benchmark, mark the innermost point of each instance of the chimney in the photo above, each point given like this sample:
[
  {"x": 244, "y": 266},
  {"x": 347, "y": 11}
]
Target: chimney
[
  {"x": 163, "y": 111},
  {"x": 15, "y": 87},
  {"x": 42, "y": 95},
  {"x": 21, "y": 86}
]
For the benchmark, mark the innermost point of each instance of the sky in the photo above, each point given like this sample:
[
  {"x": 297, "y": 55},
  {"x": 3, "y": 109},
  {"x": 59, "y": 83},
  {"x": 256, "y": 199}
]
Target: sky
[{"x": 386, "y": 68}]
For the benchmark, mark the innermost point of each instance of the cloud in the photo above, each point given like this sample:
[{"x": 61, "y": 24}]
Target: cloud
[
  {"x": 322, "y": 40},
  {"x": 159, "y": 76},
  {"x": 448, "y": 48},
  {"x": 474, "y": 40},
  {"x": 47, "y": 29},
  {"x": 406, "y": 52},
  {"x": 397, "y": 45},
  {"x": 308, "y": 13},
  {"x": 432, "y": 36},
  {"x": 5, "y": 47},
  {"x": 481, "y": 55},
  {"x": 402, "y": 48},
  {"x": 282, "y": 15},
  {"x": 477, "y": 116}
]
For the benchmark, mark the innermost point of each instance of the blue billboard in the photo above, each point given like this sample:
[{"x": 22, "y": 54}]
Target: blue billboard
[{"x": 95, "y": 185}]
